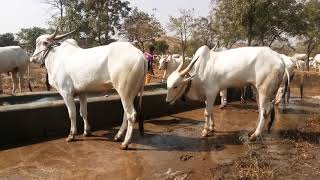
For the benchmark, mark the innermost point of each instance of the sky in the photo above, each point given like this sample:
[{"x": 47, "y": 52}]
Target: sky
[{"x": 17, "y": 14}]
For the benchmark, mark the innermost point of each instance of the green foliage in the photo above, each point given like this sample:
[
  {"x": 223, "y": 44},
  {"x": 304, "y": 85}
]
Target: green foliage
[
  {"x": 97, "y": 21},
  {"x": 310, "y": 36},
  {"x": 203, "y": 32},
  {"x": 27, "y": 37},
  {"x": 160, "y": 47},
  {"x": 181, "y": 26},
  {"x": 257, "y": 21},
  {"x": 7, "y": 39},
  {"x": 142, "y": 28}
]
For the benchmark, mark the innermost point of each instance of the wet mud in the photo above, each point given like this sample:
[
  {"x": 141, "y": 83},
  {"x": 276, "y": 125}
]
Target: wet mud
[{"x": 173, "y": 149}]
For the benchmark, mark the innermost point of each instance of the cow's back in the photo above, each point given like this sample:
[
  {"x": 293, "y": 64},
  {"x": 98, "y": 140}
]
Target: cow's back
[
  {"x": 240, "y": 66},
  {"x": 12, "y": 57},
  {"x": 317, "y": 58},
  {"x": 100, "y": 68}
]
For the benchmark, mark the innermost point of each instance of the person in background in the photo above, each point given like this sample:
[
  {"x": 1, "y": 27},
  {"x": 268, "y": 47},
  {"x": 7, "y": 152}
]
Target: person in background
[{"x": 149, "y": 57}]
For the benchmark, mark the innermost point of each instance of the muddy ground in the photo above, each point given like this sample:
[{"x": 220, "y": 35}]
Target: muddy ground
[{"x": 172, "y": 149}]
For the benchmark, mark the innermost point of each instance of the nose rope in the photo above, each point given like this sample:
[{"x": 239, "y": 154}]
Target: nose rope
[{"x": 187, "y": 88}]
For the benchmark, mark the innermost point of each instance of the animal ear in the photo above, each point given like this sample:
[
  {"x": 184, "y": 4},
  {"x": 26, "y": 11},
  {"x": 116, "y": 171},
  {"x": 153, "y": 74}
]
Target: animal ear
[{"x": 189, "y": 78}]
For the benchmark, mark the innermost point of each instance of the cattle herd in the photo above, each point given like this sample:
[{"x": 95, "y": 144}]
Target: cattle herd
[{"x": 74, "y": 71}]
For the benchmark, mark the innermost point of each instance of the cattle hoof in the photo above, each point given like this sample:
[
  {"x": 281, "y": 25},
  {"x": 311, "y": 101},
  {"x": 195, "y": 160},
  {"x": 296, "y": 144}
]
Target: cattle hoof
[
  {"x": 70, "y": 138},
  {"x": 221, "y": 106},
  {"x": 124, "y": 147},
  {"x": 116, "y": 139},
  {"x": 87, "y": 134},
  {"x": 252, "y": 138},
  {"x": 204, "y": 133}
]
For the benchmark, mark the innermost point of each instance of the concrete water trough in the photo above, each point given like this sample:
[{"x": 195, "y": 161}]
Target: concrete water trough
[{"x": 43, "y": 115}]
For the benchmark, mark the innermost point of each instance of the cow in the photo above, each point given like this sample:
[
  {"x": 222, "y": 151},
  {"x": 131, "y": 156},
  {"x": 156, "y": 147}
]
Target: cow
[
  {"x": 210, "y": 72},
  {"x": 316, "y": 61},
  {"x": 14, "y": 60},
  {"x": 75, "y": 71},
  {"x": 284, "y": 89},
  {"x": 169, "y": 64}
]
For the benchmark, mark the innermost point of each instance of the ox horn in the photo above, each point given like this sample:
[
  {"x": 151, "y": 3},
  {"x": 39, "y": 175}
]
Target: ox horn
[
  {"x": 186, "y": 70},
  {"x": 216, "y": 46},
  {"x": 180, "y": 65},
  {"x": 53, "y": 35},
  {"x": 64, "y": 35}
]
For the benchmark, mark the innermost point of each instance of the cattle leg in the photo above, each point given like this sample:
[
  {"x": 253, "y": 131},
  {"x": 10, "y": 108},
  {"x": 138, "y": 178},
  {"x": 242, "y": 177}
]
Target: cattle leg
[
  {"x": 122, "y": 128},
  {"x": 14, "y": 81},
  {"x": 131, "y": 118},
  {"x": 164, "y": 76},
  {"x": 1, "y": 91},
  {"x": 242, "y": 91},
  {"x": 223, "y": 95},
  {"x": 208, "y": 113},
  {"x": 265, "y": 107},
  {"x": 84, "y": 114},
  {"x": 21, "y": 74},
  {"x": 68, "y": 99}
]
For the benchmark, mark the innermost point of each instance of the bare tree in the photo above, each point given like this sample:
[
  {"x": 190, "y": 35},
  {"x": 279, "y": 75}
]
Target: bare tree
[{"x": 182, "y": 27}]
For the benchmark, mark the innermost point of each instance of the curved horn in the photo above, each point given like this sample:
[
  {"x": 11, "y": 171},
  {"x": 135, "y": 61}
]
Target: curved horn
[
  {"x": 216, "y": 46},
  {"x": 186, "y": 70},
  {"x": 180, "y": 65},
  {"x": 53, "y": 35},
  {"x": 64, "y": 35}
]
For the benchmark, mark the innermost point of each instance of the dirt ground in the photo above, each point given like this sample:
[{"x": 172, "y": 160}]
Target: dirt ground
[{"x": 172, "y": 149}]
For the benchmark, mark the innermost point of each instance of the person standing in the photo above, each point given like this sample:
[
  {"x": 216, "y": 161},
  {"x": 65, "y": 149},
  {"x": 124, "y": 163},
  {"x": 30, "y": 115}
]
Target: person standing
[{"x": 149, "y": 57}]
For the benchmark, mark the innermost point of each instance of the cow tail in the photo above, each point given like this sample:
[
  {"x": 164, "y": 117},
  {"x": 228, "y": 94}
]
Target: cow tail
[
  {"x": 141, "y": 119},
  {"x": 272, "y": 116},
  {"x": 287, "y": 84}
]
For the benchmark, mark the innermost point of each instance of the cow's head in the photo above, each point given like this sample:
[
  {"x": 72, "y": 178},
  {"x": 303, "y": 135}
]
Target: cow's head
[
  {"x": 163, "y": 62},
  {"x": 43, "y": 43},
  {"x": 177, "y": 82}
]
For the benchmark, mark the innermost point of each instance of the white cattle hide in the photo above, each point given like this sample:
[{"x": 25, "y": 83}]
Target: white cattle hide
[
  {"x": 76, "y": 71},
  {"x": 210, "y": 72}
]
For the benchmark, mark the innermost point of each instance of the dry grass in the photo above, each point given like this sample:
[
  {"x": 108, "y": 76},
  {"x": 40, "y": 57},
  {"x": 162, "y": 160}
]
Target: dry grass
[{"x": 293, "y": 155}]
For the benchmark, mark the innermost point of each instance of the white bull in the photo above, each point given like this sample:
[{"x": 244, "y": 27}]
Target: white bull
[
  {"x": 209, "y": 72},
  {"x": 285, "y": 86},
  {"x": 169, "y": 64},
  {"x": 316, "y": 61},
  {"x": 76, "y": 71},
  {"x": 15, "y": 60}
]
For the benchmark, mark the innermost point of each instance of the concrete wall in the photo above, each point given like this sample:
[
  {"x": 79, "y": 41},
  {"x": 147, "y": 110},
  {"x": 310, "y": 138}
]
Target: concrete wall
[{"x": 42, "y": 120}]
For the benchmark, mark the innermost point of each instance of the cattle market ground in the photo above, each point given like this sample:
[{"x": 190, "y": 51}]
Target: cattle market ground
[{"x": 172, "y": 147}]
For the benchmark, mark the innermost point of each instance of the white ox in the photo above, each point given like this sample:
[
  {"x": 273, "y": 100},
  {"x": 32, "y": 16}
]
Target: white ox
[
  {"x": 15, "y": 60},
  {"x": 170, "y": 63},
  {"x": 300, "y": 61},
  {"x": 76, "y": 71},
  {"x": 209, "y": 72},
  {"x": 316, "y": 61},
  {"x": 284, "y": 89}
]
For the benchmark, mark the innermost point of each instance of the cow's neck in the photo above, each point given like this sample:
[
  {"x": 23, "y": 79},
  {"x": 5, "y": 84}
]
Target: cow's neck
[
  {"x": 195, "y": 92},
  {"x": 49, "y": 61}
]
